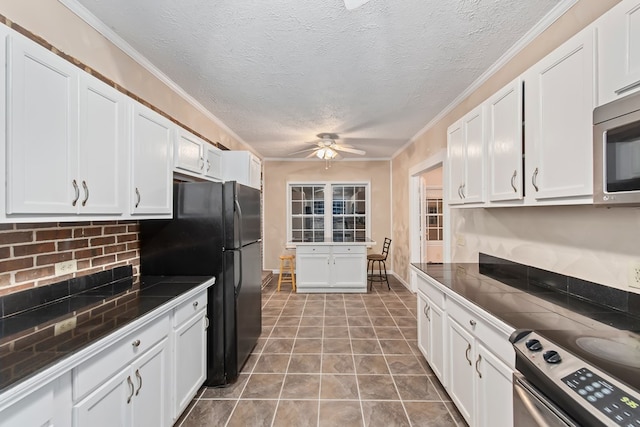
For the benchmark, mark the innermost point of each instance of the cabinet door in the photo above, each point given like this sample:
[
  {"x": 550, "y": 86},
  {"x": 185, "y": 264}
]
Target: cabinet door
[
  {"x": 189, "y": 153},
  {"x": 494, "y": 390},
  {"x": 255, "y": 172},
  {"x": 456, "y": 160},
  {"x": 108, "y": 406},
  {"x": 103, "y": 148},
  {"x": 312, "y": 271},
  {"x": 619, "y": 51},
  {"x": 423, "y": 324},
  {"x": 151, "y": 163},
  {"x": 36, "y": 409},
  {"x": 349, "y": 271},
  {"x": 473, "y": 184},
  {"x": 460, "y": 368},
  {"x": 558, "y": 110},
  {"x": 190, "y": 360},
  {"x": 213, "y": 158},
  {"x": 151, "y": 376},
  {"x": 42, "y": 131},
  {"x": 504, "y": 129},
  {"x": 437, "y": 342}
]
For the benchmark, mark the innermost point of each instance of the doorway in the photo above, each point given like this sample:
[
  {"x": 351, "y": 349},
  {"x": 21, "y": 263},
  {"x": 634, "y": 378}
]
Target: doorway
[{"x": 429, "y": 215}]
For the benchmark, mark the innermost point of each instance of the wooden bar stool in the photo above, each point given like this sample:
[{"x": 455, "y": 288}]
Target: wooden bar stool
[
  {"x": 372, "y": 259},
  {"x": 287, "y": 272}
]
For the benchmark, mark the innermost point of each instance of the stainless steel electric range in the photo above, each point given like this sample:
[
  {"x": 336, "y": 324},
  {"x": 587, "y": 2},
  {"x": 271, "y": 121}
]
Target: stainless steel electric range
[{"x": 577, "y": 378}]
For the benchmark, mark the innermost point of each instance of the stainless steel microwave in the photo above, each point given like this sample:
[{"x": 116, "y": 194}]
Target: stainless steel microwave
[{"x": 616, "y": 152}]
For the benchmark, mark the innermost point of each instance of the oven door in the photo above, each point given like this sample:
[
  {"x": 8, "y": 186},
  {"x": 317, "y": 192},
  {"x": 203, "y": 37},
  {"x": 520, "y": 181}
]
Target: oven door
[{"x": 532, "y": 409}]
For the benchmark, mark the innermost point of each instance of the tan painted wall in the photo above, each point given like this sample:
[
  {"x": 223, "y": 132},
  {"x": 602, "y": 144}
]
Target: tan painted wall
[
  {"x": 511, "y": 233},
  {"x": 276, "y": 174},
  {"x": 59, "y": 26}
]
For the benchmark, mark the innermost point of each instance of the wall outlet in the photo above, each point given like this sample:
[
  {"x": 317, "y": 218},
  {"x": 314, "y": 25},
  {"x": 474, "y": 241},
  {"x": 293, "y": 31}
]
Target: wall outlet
[
  {"x": 461, "y": 241},
  {"x": 66, "y": 267},
  {"x": 65, "y": 326},
  {"x": 634, "y": 274}
]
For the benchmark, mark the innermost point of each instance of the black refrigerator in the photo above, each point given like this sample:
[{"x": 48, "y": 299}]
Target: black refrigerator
[{"x": 215, "y": 231}]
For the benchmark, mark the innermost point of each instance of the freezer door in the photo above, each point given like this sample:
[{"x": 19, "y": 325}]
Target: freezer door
[{"x": 242, "y": 214}]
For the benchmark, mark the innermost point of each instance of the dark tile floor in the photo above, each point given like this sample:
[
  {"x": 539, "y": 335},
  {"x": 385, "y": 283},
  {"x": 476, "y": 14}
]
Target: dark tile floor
[{"x": 331, "y": 360}]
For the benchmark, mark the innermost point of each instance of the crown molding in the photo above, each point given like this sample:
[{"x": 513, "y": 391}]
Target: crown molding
[
  {"x": 552, "y": 16},
  {"x": 84, "y": 14},
  {"x": 312, "y": 159}
]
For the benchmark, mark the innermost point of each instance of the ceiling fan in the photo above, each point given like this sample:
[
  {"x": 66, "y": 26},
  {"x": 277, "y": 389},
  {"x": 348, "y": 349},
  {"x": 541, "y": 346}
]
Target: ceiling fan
[
  {"x": 327, "y": 148},
  {"x": 352, "y": 4}
]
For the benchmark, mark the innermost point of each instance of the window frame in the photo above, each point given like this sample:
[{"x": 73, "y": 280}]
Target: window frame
[{"x": 328, "y": 205}]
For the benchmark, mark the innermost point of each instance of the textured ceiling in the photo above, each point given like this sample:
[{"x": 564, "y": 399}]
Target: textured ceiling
[{"x": 278, "y": 72}]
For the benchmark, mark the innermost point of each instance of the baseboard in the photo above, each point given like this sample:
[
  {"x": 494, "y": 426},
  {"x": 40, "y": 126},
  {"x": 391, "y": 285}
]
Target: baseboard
[{"x": 405, "y": 284}]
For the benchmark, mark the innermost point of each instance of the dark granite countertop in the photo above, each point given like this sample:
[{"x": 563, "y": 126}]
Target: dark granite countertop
[
  {"x": 29, "y": 345},
  {"x": 524, "y": 305}
]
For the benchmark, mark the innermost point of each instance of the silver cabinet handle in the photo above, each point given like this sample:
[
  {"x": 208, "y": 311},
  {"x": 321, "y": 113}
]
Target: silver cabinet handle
[
  {"x": 466, "y": 354},
  {"x": 472, "y": 323},
  {"x": 477, "y": 364},
  {"x": 195, "y": 304},
  {"x": 427, "y": 313},
  {"x": 534, "y": 178},
  {"x": 86, "y": 193},
  {"x": 136, "y": 343},
  {"x": 208, "y": 165},
  {"x": 138, "y": 196},
  {"x": 513, "y": 179},
  {"x": 77, "y": 190},
  {"x": 460, "y": 191},
  {"x": 206, "y": 322},
  {"x": 202, "y": 163},
  {"x": 462, "y": 187},
  {"x": 130, "y": 388},
  {"x": 139, "y": 377},
  {"x": 424, "y": 310}
]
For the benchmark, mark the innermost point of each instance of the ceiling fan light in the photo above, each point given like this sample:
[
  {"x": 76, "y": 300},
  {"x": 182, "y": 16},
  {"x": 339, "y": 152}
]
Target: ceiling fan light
[
  {"x": 326, "y": 153},
  {"x": 330, "y": 153},
  {"x": 320, "y": 153}
]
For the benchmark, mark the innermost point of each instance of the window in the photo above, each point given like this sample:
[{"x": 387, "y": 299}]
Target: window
[
  {"x": 345, "y": 221},
  {"x": 434, "y": 218}
]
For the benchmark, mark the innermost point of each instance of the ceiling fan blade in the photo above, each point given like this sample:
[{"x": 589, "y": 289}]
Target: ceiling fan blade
[
  {"x": 349, "y": 150},
  {"x": 353, "y": 4},
  {"x": 312, "y": 154},
  {"x": 303, "y": 151}
]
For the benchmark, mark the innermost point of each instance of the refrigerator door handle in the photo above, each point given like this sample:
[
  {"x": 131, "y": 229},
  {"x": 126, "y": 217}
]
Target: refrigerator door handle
[
  {"x": 238, "y": 212},
  {"x": 239, "y": 285}
]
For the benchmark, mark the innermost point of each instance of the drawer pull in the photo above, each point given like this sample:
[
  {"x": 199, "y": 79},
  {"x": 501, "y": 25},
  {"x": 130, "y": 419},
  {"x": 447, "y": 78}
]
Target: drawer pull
[
  {"x": 136, "y": 343},
  {"x": 472, "y": 323},
  {"x": 195, "y": 304},
  {"x": 131, "y": 388},
  {"x": 77, "y": 192},
  {"x": 478, "y": 363},
  {"x": 513, "y": 178},
  {"x": 466, "y": 354},
  {"x": 137, "y": 197},
  {"x": 534, "y": 180},
  {"x": 139, "y": 377},
  {"x": 86, "y": 193}
]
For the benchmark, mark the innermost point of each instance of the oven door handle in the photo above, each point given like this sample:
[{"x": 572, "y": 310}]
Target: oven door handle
[{"x": 527, "y": 393}]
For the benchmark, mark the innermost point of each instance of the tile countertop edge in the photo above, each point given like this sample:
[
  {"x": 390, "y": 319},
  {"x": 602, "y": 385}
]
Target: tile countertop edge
[
  {"x": 23, "y": 388},
  {"x": 491, "y": 318}
]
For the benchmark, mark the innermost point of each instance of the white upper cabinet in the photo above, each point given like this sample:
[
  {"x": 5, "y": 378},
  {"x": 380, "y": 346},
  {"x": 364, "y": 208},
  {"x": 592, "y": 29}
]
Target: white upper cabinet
[
  {"x": 195, "y": 157},
  {"x": 103, "y": 164},
  {"x": 42, "y": 131},
  {"x": 618, "y": 34},
  {"x": 243, "y": 167},
  {"x": 151, "y": 191},
  {"x": 466, "y": 154},
  {"x": 559, "y": 104},
  {"x": 66, "y": 139},
  {"x": 504, "y": 140}
]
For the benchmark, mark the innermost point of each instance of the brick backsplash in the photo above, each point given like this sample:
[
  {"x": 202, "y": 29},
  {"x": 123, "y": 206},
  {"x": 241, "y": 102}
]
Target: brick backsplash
[{"x": 28, "y": 252}]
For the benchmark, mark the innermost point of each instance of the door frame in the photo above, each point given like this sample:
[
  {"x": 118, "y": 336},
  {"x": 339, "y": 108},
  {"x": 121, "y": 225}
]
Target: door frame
[{"x": 435, "y": 161}]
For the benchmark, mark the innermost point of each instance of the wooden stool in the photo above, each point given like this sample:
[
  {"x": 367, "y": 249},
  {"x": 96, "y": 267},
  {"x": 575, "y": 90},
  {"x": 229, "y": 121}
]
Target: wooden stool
[{"x": 287, "y": 272}]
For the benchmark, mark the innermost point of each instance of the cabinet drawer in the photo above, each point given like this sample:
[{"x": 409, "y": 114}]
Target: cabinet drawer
[
  {"x": 188, "y": 308},
  {"x": 434, "y": 294},
  {"x": 96, "y": 370},
  {"x": 349, "y": 249},
  {"x": 493, "y": 339},
  {"x": 313, "y": 249}
]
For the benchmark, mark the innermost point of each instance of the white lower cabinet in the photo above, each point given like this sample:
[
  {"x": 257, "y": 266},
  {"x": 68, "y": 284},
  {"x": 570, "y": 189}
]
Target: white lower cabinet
[
  {"x": 190, "y": 344},
  {"x": 138, "y": 395},
  {"x": 331, "y": 268},
  {"x": 470, "y": 355}
]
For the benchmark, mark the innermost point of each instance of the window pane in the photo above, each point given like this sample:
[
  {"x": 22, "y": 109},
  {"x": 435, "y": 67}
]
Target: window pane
[
  {"x": 308, "y": 193},
  {"x": 308, "y": 236},
  {"x": 337, "y": 192},
  {"x": 296, "y": 193},
  {"x": 297, "y": 236},
  {"x": 318, "y": 224},
  {"x": 338, "y": 223},
  {"x": 349, "y": 223},
  {"x": 296, "y": 223},
  {"x": 296, "y": 208},
  {"x": 319, "y": 236},
  {"x": 318, "y": 207},
  {"x": 360, "y": 236},
  {"x": 348, "y": 193},
  {"x": 360, "y": 207}
]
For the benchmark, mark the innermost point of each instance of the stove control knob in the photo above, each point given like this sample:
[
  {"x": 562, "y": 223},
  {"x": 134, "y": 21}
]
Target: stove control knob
[
  {"x": 552, "y": 356},
  {"x": 533, "y": 345}
]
